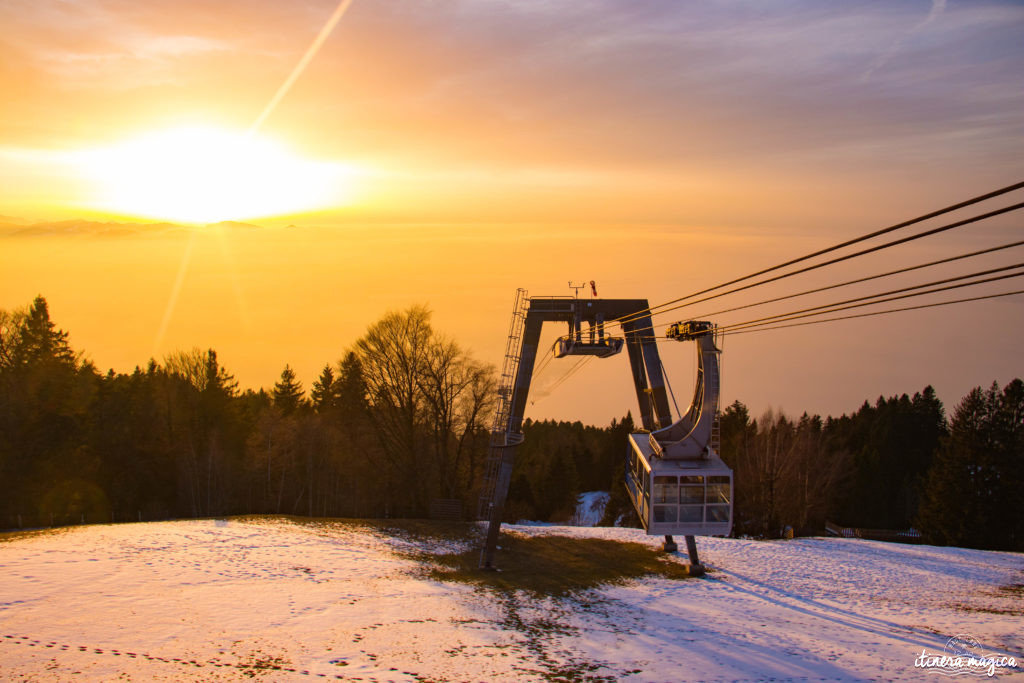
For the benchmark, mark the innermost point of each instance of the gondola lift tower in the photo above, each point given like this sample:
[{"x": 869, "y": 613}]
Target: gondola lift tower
[{"x": 675, "y": 478}]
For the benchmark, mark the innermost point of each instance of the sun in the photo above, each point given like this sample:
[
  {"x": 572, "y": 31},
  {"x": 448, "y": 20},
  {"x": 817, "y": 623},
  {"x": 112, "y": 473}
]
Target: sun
[{"x": 206, "y": 175}]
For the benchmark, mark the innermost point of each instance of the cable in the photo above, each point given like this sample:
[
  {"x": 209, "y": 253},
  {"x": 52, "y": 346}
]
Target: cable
[
  {"x": 864, "y": 279},
  {"x": 933, "y": 214},
  {"x": 891, "y": 310},
  {"x": 671, "y": 393},
  {"x": 572, "y": 371},
  {"x": 904, "y": 240},
  {"x": 787, "y": 316},
  {"x": 544, "y": 393},
  {"x": 842, "y": 305},
  {"x": 960, "y": 205},
  {"x": 545, "y": 361},
  {"x": 760, "y": 324}
]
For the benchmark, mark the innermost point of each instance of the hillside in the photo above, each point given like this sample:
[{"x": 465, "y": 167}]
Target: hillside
[{"x": 281, "y": 599}]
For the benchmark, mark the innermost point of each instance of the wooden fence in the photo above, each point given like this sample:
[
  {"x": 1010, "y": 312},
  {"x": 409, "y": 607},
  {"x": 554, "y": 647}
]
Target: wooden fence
[{"x": 889, "y": 535}]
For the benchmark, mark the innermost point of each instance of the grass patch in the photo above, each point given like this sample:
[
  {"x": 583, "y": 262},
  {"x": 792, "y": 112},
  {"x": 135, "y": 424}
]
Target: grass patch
[
  {"x": 411, "y": 530},
  {"x": 539, "y": 564},
  {"x": 1014, "y": 612},
  {"x": 556, "y": 565},
  {"x": 1014, "y": 589},
  {"x": 419, "y": 530},
  {"x": 543, "y": 565}
]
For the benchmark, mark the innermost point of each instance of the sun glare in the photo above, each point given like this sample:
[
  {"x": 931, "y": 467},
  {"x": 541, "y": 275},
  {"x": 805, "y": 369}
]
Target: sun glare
[{"x": 205, "y": 175}]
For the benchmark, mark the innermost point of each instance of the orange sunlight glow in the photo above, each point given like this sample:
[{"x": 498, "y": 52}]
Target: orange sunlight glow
[{"x": 206, "y": 175}]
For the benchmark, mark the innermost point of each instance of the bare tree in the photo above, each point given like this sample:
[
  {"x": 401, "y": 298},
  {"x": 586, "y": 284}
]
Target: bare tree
[
  {"x": 427, "y": 400},
  {"x": 393, "y": 356},
  {"x": 458, "y": 393}
]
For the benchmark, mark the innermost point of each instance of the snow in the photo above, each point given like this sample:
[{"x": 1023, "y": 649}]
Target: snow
[
  {"x": 590, "y": 508},
  {"x": 272, "y": 599},
  {"x": 589, "y": 511}
]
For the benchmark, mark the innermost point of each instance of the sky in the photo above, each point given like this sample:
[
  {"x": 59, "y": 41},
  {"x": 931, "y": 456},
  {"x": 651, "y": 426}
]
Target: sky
[{"x": 213, "y": 174}]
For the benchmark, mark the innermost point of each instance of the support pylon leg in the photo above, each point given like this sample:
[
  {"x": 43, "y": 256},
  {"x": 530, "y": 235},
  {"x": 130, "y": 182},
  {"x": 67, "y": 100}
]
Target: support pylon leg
[{"x": 696, "y": 568}]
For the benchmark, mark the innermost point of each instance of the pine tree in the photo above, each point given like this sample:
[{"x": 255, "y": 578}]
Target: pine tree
[
  {"x": 288, "y": 392},
  {"x": 39, "y": 340},
  {"x": 46, "y": 394},
  {"x": 972, "y": 491},
  {"x": 619, "y": 509},
  {"x": 217, "y": 377},
  {"x": 351, "y": 388},
  {"x": 323, "y": 392},
  {"x": 1008, "y": 430}
]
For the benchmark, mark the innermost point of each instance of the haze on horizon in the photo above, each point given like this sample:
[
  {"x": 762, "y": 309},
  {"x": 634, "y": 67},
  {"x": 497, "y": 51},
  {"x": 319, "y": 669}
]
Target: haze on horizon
[{"x": 447, "y": 153}]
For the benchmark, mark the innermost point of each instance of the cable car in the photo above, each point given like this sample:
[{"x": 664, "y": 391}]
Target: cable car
[
  {"x": 678, "y": 484},
  {"x": 675, "y": 478},
  {"x": 678, "y": 497}
]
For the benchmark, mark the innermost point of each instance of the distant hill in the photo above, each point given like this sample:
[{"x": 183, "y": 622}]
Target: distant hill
[{"x": 14, "y": 227}]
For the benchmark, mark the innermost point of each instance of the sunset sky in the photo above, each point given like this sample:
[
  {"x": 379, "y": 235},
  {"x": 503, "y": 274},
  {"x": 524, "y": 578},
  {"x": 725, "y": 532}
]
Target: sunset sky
[{"x": 449, "y": 152}]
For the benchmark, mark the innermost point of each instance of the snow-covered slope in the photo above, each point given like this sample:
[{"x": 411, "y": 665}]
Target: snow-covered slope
[
  {"x": 216, "y": 600},
  {"x": 590, "y": 508}
]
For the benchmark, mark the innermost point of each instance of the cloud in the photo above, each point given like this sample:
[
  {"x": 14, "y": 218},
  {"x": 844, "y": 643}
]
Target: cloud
[
  {"x": 128, "y": 60},
  {"x": 543, "y": 89},
  {"x": 938, "y": 7},
  {"x": 141, "y": 63},
  {"x": 121, "y": 45},
  {"x": 655, "y": 82}
]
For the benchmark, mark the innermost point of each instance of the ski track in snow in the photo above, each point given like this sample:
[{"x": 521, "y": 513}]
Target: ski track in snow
[{"x": 274, "y": 600}]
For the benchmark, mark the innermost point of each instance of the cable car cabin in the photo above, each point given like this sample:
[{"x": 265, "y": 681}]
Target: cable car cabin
[
  {"x": 690, "y": 497},
  {"x": 678, "y": 484}
]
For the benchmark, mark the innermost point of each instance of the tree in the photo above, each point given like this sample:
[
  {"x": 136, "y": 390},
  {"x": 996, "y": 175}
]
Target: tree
[
  {"x": 324, "y": 391},
  {"x": 38, "y": 340},
  {"x": 351, "y": 389},
  {"x": 972, "y": 491},
  {"x": 392, "y": 356},
  {"x": 362, "y": 474},
  {"x": 201, "y": 369},
  {"x": 784, "y": 473},
  {"x": 207, "y": 438},
  {"x": 427, "y": 401},
  {"x": 288, "y": 392},
  {"x": 817, "y": 473},
  {"x": 619, "y": 510},
  {"x": 546, "y": 481},
  {"x": 1010, "y": 461},
  {"x": 46, "y": 394},
  {"x": 458, "y": 395},
  {"x": 890, "y": 446}
]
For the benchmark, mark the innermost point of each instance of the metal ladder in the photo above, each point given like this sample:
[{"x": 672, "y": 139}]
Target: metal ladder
[{"x": 500, "y": 436}]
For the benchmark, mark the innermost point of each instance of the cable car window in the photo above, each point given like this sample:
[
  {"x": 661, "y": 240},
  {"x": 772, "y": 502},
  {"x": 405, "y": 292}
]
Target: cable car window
[
  {"x": 665, "y": 491},
  {"x": 665, "y": 513},
  {"x": 691, "y": 489},
  {"x": 718, "y": 489},
  {"x": 718, "y": 513},
  {"x": 691, "y": 514}
]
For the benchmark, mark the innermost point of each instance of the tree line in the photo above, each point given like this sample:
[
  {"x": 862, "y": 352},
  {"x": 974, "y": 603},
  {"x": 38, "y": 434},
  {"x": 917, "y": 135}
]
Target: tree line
[
  {"x": 894, "y": 465},
  {"x": 402, "y": 419}
]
